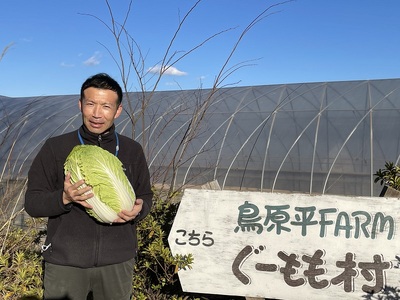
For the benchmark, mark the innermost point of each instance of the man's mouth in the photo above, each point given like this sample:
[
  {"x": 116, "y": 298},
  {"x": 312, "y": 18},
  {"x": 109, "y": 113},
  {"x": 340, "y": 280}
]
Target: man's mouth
[{"x": 96, "y": 124}]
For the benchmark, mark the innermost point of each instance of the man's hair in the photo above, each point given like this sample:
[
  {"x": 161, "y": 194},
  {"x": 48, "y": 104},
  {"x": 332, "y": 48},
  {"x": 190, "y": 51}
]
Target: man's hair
[{"x": 102, "y": 81}]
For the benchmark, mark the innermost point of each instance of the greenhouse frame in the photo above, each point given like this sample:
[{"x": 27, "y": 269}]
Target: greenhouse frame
[{"x": 314, "y": 138}]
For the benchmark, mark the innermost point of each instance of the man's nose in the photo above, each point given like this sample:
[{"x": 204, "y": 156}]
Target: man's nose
[{"x": 97, "y": 112}]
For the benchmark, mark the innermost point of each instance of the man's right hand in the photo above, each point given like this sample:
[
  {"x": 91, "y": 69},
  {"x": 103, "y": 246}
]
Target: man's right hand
[{"x": 75, "y": 193}]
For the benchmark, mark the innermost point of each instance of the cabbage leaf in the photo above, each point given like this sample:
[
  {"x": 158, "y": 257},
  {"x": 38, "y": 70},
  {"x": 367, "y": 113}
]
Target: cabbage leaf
[{"x": 104, "y": 173}]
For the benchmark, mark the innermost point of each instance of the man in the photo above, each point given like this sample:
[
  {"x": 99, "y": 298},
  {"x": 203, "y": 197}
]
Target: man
[{"x": 82, "y": 255}]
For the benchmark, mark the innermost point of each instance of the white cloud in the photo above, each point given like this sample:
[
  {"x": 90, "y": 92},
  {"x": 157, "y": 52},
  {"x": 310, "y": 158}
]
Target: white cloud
[
  {"x": 27, "y": 40},
  {"x": 93, "y": 60},
  {"x": 66, "y": 65},
  {"x": 169, "y": 70}
]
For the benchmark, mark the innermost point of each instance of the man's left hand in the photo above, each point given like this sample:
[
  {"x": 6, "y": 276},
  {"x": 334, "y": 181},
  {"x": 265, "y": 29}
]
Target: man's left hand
[{"x": 129, "y": 215}]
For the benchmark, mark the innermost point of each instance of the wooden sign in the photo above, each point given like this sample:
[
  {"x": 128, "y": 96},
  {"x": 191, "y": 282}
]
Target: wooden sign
[{"x": 287, "y": 246}]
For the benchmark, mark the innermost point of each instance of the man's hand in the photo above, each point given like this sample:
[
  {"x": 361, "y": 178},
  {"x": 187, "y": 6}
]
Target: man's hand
[
  {"x": 126, "y": 215},
  {"x": 74, "y": 192}
]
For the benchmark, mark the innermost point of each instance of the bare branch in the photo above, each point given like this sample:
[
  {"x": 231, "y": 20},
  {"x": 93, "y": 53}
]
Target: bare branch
[
  {"x": 256, "y": 20},
  {"x": 6, "y": 48},
  {"x": 130, "y": 58}
]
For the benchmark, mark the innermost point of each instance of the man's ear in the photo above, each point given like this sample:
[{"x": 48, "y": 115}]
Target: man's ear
[
  {"x": 119, "y": 111},
  {"x": 80, "y": 104}
]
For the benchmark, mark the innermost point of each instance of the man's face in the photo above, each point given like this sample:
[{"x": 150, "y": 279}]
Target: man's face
[{"x": 99, "y": 109}]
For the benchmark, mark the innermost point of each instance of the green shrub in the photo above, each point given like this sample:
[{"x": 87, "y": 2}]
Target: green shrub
[
  {"x": 389, "y": 175},
  {"x": 20, "y": 263},
  {"x": 155, "y": 272}
]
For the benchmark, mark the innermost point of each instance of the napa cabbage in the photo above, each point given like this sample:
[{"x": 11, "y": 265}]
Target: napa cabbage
[{"x": 104, "y": 173}]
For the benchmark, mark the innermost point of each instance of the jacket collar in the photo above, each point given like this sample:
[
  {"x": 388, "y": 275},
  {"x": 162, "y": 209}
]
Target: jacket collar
[{"x": 91, "y": 138}]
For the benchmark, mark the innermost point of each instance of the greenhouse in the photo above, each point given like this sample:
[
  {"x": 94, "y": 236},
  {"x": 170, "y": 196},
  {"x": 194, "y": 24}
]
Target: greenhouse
[{"x": 315, "y": 138}]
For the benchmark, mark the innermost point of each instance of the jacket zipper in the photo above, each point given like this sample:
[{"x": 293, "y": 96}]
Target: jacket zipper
[{"x": 98, "y": 229}]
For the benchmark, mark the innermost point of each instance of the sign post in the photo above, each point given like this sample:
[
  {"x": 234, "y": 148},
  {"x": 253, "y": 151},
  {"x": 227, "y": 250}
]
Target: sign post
[{"x": 287, "y": 246}]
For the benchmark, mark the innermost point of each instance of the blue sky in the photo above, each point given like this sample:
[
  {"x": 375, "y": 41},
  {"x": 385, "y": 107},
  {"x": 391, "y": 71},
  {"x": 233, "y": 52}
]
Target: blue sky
[{"x": 56, "y": 45}]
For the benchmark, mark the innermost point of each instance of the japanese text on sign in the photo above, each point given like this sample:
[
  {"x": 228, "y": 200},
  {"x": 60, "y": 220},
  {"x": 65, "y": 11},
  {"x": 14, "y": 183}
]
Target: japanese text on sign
[
  {"x": 358, "y": 223},
  {"x": 369, "y": 270}
]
